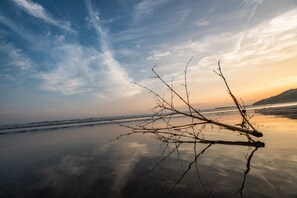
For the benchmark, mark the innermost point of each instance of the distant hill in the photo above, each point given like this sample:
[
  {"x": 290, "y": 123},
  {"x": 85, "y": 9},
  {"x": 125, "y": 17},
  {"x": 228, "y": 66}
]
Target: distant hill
[{"x": 287, "y": 96}]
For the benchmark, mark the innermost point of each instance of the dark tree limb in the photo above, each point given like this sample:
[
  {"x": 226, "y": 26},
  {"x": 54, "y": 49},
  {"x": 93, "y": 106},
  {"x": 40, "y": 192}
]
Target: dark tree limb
[
  {"x": 246, "y": 172},
  {"x": 162, "y": 127}
]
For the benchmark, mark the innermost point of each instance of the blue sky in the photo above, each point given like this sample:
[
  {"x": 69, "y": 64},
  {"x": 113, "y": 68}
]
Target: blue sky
[{"x": 71, "y": 59}]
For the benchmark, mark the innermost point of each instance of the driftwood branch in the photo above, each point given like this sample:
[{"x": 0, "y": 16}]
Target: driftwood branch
[
  {"x": 170, "y": 131},
  {"x": 175, "y": 135},
  {"x": 240, "y": 107},
  {"x": 165, "y": 105},
  {"x": 163, "y": 127}
]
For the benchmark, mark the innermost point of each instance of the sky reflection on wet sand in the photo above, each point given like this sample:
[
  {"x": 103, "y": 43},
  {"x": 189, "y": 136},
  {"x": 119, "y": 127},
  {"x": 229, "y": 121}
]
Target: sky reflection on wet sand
[{"x": 80, "y": 163}]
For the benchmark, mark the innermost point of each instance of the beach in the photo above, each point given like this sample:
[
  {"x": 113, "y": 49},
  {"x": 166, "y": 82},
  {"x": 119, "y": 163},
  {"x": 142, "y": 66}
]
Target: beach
[{"x": 82, "y": 162}]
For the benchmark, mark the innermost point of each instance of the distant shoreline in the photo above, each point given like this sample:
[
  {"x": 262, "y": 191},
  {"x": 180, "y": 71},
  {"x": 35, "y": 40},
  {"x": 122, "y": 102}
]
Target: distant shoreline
[{"x": 286, "y": 109}]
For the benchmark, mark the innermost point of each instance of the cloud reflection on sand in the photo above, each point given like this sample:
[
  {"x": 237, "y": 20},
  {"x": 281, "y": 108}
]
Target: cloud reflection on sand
[
  {"x": 78, "y": 163},
  {"x": 108, "y": 174}
]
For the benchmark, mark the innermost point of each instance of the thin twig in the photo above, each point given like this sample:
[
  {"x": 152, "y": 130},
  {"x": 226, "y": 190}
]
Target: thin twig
[
  {"x": 189, "y": 167},
  {"x": 246, "y": 172}
]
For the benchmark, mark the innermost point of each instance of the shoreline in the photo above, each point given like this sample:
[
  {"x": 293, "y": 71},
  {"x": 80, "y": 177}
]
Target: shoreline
[{"x": 288, "y": 110}]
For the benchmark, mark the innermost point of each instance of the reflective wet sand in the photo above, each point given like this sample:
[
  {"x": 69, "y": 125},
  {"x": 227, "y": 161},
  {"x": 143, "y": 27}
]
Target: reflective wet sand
[{"x": 80, "y": 162}]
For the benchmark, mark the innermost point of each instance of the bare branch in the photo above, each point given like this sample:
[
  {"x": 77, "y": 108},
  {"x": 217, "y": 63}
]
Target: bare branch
[
  {"x": 189, "y": 167},
  {"x": 239, "y": 107},
  {"x": 186, "y": 85},
  {"x": 246, "y": 172},
  {"x": 168, "y": 105},
  {"x": 162, "y": 126}
]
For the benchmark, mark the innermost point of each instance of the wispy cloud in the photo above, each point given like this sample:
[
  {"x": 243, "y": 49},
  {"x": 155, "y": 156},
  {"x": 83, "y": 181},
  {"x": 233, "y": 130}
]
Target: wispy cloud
[
  {"x": 95, "y": 70},
  {"x": 14, "y": 57},
  {"x": 17, "y": 29},
  {"x": 16, "y": 66},
  {"x": 156, "y": 55},
  {"x": 38, "y": 11},
  {"x": 269, "y": 41},
  {"x": 75, "y": 71},
  {"x": 119, "y": 82},
  {"x": 202, "y": 22},
  {"x": 146, "y": 7},
  {"x": 70, "y": 68},
  {"x": 251, "y": 6},
  {"x": 157, "y": 23},
  {"x": 252, "y": 48},
  {"x": 85, "y": 69}
]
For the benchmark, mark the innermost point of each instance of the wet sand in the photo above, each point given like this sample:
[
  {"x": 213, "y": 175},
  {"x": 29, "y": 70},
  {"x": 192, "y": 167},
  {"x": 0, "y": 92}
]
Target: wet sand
[
  {"x": 288, "y": 112},
  {"x": 79, "y": 162}
]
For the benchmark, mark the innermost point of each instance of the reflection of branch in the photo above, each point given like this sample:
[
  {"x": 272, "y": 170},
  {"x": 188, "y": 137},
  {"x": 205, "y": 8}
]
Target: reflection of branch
[
  {"x": 190, "y": 166},
  {"x": 198, "y": 174},
  {"x": 162, "y": 160},
  {"x": 234, "y": 143},
  {"x": 162, "y": 126},
  {"x": 175, "y": 134},
  {"x": 167, "y": 140},
  {"x": 246, "y": 172}
]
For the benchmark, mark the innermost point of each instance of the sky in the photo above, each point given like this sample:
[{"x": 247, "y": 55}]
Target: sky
[{"x": 64, "y": 59}]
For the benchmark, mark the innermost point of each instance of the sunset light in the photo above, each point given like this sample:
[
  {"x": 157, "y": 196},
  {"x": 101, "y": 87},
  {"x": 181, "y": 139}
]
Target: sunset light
[{"x": 62, "y": 59}]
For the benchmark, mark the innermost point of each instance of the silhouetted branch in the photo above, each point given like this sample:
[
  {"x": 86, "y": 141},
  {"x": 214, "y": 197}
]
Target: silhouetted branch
[
  {"x": 189, "y": 167},
  {"x": 198, "y": 173},
  {"x": 186, "y": 85},
  {"x": 162, "y": 127},
  {"x": 246, "y": 172},
  {"x": 188, "y": 137},
  {"x": 162, "y": 160},
  {"x": 195, "y": 114}
]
